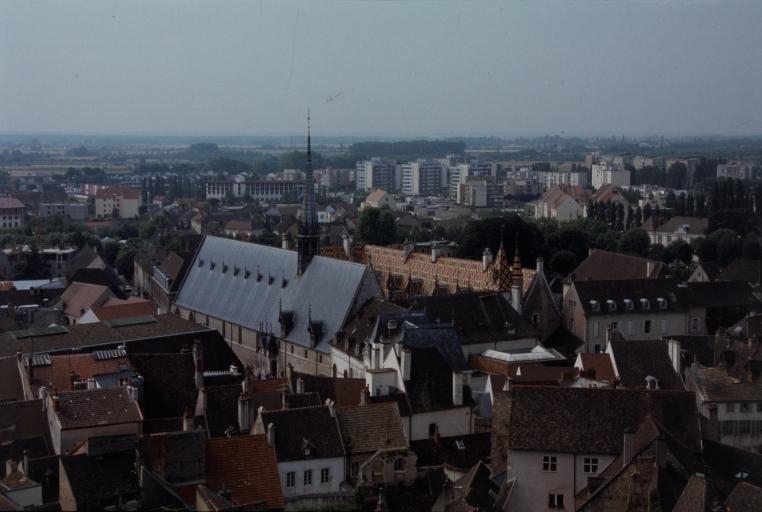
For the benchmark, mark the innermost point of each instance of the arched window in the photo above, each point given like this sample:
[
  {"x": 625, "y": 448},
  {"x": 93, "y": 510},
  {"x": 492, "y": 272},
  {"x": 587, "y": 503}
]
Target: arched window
[
  {"x": 345, "y": 374},
  {"x": 399, "y": 465},
  {"x": 378, "y": 471}
]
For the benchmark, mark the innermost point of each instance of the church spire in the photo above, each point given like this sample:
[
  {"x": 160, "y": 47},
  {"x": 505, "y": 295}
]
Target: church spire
[{"x": 308, "y": 238}]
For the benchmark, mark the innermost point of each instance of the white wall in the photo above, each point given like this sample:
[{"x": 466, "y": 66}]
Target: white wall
[
  {"x": 450, "y": 422},
  {"x": 336, "y": 466}
]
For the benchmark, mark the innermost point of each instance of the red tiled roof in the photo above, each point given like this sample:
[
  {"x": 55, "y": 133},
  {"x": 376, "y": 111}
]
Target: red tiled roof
[
  {"x": 125, "y": 310},
  {"x": 10, "y": 202},
  {"x": 59, "y": 374},
  {"x": 246, "y": 466},
  {"x": 80, "y": 297},
  {"x": 600, "y": 364},
  {"x": 268, "y": 385}
]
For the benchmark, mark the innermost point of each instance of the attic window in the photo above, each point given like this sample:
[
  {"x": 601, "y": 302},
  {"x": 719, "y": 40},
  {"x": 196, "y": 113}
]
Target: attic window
[
  {"x": 212, "y": 264},
  {"x": 662, "y": 303},
  {"x": 224, "y": 268},
  {"x": 460, "y": 445},
  {"x": 270, "y": 279},
  {"x": 645, "y": 304},
  {"x": 246, "y": 273},
  {"x": 628, "y": 305},
  {"x": 236, "y": 271},
  {"x": 652, "y": 382},
  {"x": 200, "y": 262},
  {"x": 611, "y": 305},
  {"x": 595, "y": 305}
]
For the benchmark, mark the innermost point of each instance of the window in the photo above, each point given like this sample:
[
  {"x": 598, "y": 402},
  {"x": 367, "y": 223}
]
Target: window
[
  {"x": 662, "y": 303},
  {"x": 590, "y": 466},
  {"x": 290, "y": 479},
  {"x": 320, "y": 358},
  {"x": 399, "y": 464},
  {"x": 555, "y": 501},
  {"x": 597, "y": 348},
  {"x": 595, "y": 305},
  {"x": 378, "y": 471},
  {"x": 759, "y": 407},
  {"x": 645, "y": 304},
  {"x": 596, "y": 330},
  {"x": 613, "y": 326},
  {"x": 432, "y": 429},
  {"x": 325, "y": 475},
  {"x": 664, "y": 326},
  {"x": 744, "y": 427},
  {"x": 354, "y": 469},
  {"x": 307, "y": 477},
  {"x": 305, "y": 353},
  {"x": 646, "y": 326},
  {"x": 549, "y": 463},
  {"x": 743, "y": 407},
  {"x": 730, "y": 407},
  {"x": 695, "y": 325},
  {"x": 611, "y": 305},
  {"x": 459, "y": 444},
  {"x": 292, "y": 349},
  {"x": 535, "y": 320},
  {"x": 630, "y": 327},
  {"x": 628, "y": 305}
]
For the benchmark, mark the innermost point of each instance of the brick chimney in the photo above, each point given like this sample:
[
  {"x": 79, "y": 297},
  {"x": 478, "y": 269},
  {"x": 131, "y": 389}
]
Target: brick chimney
[
  {"x": 391, "y": 328},
  {"x": 188, "y": 424},
  {"x": 516, "y": 297},
  {"x": 405, "y": 361},
  {"x": 271, "y": 434},
  {"x": 284, "y": 242},
  {"x": 457, "y": 388},
  {"x": 365, "y": 395},
  {"x": 346, "y": 242},
  {"x": 486, "y": 258}
]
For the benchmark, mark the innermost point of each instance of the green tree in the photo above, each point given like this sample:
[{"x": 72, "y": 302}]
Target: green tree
[
  {"x": 110, "y": 251},
  {"x": 124, "y": 261},
  {"x": 635, "y": 241},
  {"x": 32, "y": 266},
  {"x": 376, "y": 227},
  {"x": 563, "y": 262}
]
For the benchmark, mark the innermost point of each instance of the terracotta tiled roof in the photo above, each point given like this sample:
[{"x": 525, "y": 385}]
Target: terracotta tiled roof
[
  {"x": 376, "y": 195},
  {"x": 372, "y": 427},
  {"x": 97, "y": 407},
  {"x": 59, "y": 374},
  {"x": 451, "y": 272},
  {"x": 16, "y": 480},
  {"x": 10, "y": 202},
  {"x": 696, "y": 225},
  {"x": 268, "y": 385},
  {"x": 127, "y": 309},
  {"x": 79, "y": 297},
  {"x": 246, "y": 466},
  {"x": 344, "y": 392},
  {"x": 605, "y": 265},
  {"x": 600, "y": 364},
  {"x": 6, "y": 285}
]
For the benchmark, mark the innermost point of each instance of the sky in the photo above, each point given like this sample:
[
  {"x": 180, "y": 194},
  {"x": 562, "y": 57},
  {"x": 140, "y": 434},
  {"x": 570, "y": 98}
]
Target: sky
[{"x": 383, "y": 68}]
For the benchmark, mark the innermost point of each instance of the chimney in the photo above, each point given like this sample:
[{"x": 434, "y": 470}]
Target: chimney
[
  {"x": 91, "y": 384},
  {"x": 283, "y": 400},
  {"x": 391, "y": 328},
  {"x": 516, "y": 298},
  {"x": 10, "y": 466},
  {"x": 540, "y": 265},
  {"x": 434, "y": 252},
  {"x": 405, "y": 360},
  {"x": 486, "y": 258},
  {"x": 188, "y": 420},
  {"x": 365, "y": 395},
  {"x": 245, "y": 414},
  {"x": 132, "y": 391},
  {"x": 628, "y": 445},
  {"x": 299, "y": 385},
  {"x": 284, "y": 242},
  {"x": 675, "y": 355},
  {"x": 346, "y": 242},
  {"x": 271, "y": 434},
  {"x": 650, "y": 267},
  {"x": 201, "y": 402},
  {"x": 56, "y": 401},
  {"x": 457, "y": 388},
  {"x": 198, "y": 361},
  {"x": 41, "y": 393},
  {"x": 25, "y": 462},
  {"x": 331, "y": 407}
]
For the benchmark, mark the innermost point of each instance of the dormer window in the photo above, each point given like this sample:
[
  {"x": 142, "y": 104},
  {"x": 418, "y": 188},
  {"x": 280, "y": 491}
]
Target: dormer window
[
  {"x": 611, "y": 305},
  {"x": 662, "y": 303},
  {"x": 212, "y": 264},
  {"x": 652, "y": 382},
  {"x": 200, "y": 262},
  {"x": 595, "y": 305},
  {"x": 628, "y": 305},
  {"x": 645, "y": 304}
]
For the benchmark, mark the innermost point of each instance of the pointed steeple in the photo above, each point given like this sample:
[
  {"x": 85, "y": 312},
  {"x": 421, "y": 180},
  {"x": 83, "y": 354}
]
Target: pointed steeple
[
  {"x": 501, "y": 269},
  {"x": 309, "y": 236},
  {"x": 517, "y": 275}
]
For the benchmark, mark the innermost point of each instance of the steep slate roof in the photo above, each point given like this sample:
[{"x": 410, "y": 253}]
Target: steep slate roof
[
  {"x": 632, "y": 289},
  {"x": 478, "y": 318},
  {"x": 98, "y": 479},
  {"x": 638, "y": 359},
  {"x": 694, "y": 495},
  {"x": 430, "y": 384},
  {"x": 604, "y": 265},
  {"x": 169, "y": 385},
  {"x": 97, "y": 407},
  {"x": 23, "y": 425},
  {"x": 246, "y": 466},
  {"x": 718, "y": 294},
  {"x": 244, "y": 283},
  {"x": 443, "y": 339},
  {"x": 311, "y": 426},
  {"x": 447, "y": 450},
  {"x": 725, "y": 462},
  {"x": 746, "y": 270},
  {"x": 10, "y": 380},
  {"x": 372, "y": 427},
  {"x": 90, "y": 335},
  {"x": 593, "y": 420}
]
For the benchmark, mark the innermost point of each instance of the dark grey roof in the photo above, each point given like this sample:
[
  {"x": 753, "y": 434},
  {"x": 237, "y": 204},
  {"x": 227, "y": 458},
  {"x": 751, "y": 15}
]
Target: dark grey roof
[
  {"x": 246, "y": 283},
  {"x": 299, "y": 429},
  {"x": 638, "y": 359},
  {"x": 443, "y": 338},
  {"x": 633, "y": 290}
]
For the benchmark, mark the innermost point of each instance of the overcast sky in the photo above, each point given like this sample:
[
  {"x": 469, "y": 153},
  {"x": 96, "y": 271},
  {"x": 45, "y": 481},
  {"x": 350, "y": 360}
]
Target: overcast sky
[{"x": 381, "y": 68}]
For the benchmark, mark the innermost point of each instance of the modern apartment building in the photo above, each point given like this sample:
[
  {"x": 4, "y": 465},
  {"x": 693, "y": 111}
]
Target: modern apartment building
[
  {"x": 375, "y": 173},
  {"x": 606, "y": 173},
  {"x": 421, "y": 177}
]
